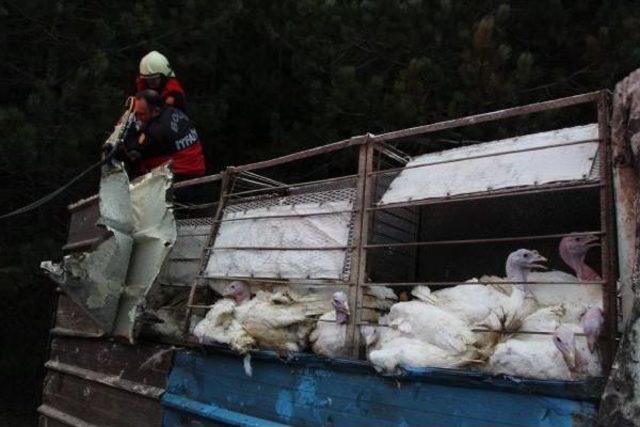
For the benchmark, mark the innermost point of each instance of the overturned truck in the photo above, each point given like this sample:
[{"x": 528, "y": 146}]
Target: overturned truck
[{"x": 378, "y": 296}]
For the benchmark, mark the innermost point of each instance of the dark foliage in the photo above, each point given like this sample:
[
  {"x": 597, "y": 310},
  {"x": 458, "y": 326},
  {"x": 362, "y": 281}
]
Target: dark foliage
[{"x": 263, "y": 78}]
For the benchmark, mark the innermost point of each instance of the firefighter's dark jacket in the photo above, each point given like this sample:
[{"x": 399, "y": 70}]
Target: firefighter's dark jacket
[{"x": 168, "y": 136}]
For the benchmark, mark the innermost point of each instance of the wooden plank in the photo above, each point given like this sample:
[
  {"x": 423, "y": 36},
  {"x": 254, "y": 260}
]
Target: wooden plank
[
  {"x": 314, "y": 391},
  {"x": 99, "y": 404},
  {"x": 51, "y": 417},
  {"x": 114, "y": 381},
  {"x": 365, "y": 160},
  {"x": 70, "y": 316},
  {"x": 82, "y": 224},
  {"x": 146, "y": 364}
]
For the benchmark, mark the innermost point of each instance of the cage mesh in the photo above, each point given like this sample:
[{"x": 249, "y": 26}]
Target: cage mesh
[{"x": 334, "y": 191}]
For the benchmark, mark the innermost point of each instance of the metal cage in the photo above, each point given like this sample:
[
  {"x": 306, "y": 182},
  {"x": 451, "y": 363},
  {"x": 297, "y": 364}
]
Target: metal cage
[{"x": 395, "y": 228}]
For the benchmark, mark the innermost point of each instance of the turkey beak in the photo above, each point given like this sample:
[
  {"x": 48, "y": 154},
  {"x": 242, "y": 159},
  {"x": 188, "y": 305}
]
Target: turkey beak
[
  {"x": 538, "y": 259},
  {"x": 570, "y": 358},
  {"x": 345, "y": 307},
  {"x": 591, "y": 242},
  {"x": 342, "y": 306}
]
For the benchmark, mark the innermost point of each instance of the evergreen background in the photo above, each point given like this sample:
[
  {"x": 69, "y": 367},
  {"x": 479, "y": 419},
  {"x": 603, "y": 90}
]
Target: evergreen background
[{"x": 263, "y": 78}]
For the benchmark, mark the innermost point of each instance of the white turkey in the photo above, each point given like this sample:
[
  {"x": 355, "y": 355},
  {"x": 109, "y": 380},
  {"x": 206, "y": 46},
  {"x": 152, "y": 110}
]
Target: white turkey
[
  {"x": 221, "y": 325},
  {"x": 408, "y": 352},
  {"x": 329, "y": 336},
  {"x": 559, "y": 356},
  {"x": 281, "y": 320},
  {"x": 480, "y": 303},
  {"x": 535, "y": 356},
  {"x": 548, "y": 288},
  {"x": 432, "y": 325}
]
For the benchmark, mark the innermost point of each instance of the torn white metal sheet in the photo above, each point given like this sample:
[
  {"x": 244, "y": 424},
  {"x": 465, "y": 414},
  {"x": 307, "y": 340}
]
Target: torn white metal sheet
[
  {"x": 154, "y": 234},
  {"x": 94, "y": 279},
  {"x": 472, "y": 175},
  {"x": 323, "y": 231}
]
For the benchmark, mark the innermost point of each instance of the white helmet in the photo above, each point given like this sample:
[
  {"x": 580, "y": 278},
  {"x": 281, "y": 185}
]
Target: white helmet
[{"x": 155, "y": 63}]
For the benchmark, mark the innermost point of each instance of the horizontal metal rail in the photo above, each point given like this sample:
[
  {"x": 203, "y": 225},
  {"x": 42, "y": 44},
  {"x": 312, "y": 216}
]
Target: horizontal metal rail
[
  {"x": 259, "y": 178},
  {"x": 541, "y": 189},
  {"x": 299, "y": 282},
  {"x": 507, "y": 282},
  {"x": 484, "y": 156},
  {"x": 284, "y": 248},
  {"x": 323, "y": 149},
  {"x": 197, "y": 181},
  {"x": 487, "y": 240},
  {"x": 491, "y": 116},
  {"x": 503, "y": 332},
  {"x": 194, "y": 207}
]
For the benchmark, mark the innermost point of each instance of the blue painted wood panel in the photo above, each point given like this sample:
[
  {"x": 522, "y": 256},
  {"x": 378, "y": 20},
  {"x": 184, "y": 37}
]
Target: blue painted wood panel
[{"x": 212, "y": 389}]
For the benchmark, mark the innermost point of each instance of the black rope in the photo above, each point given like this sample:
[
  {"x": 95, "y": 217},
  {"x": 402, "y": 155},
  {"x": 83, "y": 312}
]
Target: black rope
[
  {"x": 127, "y": 119},
  {"x": 57, "y": 192}
]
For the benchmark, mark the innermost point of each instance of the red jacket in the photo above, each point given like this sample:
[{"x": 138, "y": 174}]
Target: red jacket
[{"x": 172, "y": 92}]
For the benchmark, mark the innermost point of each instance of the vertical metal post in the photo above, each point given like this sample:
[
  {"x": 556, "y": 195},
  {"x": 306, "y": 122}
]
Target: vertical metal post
[
  {"x": 361, "y": 233},
  {"x": 204, "y": 256},
  {"x": 608, "y": 243}
]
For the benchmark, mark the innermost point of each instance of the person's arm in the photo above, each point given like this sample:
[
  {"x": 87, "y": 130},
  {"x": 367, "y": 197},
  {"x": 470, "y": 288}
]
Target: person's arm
[
  {"x": 141, "y": 84},
  {"x": 174, "y": 95},
  {"x": 176, "y": 99}
]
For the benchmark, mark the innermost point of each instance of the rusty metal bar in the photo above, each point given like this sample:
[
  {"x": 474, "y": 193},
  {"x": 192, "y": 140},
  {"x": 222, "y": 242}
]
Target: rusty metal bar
[
  {"x": 323, "y": 149},
  {"x": 486, "y": 240},
  {"x": 286, "y": 248},
  {"x": 505, "y": 332},
  {"x": 198, "y": 181},
  {"x": 260, "y": 179},
  {"x": 608, "y": 245},
  {"x": 484, "y": 156},
  {"x": 204, "y": 257},
  {"x": 491, "y": 116},
  {"x": 292, "y": 186},
  {"x": 194, "y": 207},
  {"x": 114, "y": 381},
  {"x": 300, "y": 282},
  {"x": 392, "y": 152},
  {"x": 551, "y": 188},
  {"x": 480, "y": 283}
]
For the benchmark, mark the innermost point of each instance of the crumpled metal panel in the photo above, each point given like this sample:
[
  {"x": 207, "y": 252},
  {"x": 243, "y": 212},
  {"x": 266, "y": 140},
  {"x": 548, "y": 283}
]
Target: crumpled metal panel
[
  {"x": 154, "y": 235},
  {"x": 111, "y": 279},
  {"x": 94, "y": 279}
]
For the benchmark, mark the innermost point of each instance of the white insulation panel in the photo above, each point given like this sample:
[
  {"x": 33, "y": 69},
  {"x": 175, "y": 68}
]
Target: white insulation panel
[
  {"x": 327, "y": 230},
  {"x": 472, "y": 175}
]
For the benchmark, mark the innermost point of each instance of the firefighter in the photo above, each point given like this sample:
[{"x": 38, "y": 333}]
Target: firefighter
[
  {"x": 156, "y": 73},
  {"x": 163, "y": 133}
]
